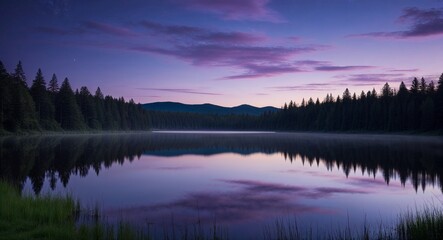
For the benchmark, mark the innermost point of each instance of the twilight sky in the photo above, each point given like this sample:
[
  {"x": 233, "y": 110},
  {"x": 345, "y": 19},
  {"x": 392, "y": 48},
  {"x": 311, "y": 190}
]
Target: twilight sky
[{"x": 226, "y": 52}]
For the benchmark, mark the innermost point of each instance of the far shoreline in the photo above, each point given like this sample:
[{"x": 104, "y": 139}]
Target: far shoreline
[{"x": 333, "y": 134}]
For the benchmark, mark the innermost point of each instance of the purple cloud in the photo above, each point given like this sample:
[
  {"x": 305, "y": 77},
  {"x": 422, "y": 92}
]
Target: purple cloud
[
  {"x": 404, "y": 70},
  {"x": 366, "y": 182},
  {"x": 201, "y": 35},
  {"x": 312, "y": 63},
  {"x": 253, "y": 200},
  {"x": 258, "y": 61},
  {"x": 229, "y": 207},
  {"x": 371, "y": 79},
  {"x": 204, "y": 47},
  {"x": 422, "y": 23},
  {"x": 256, "y": 71},
  {"x": 322, "y": 192},
  {"x": 346, "y": 80},
  {"x": 235, "y": 9},
  {"x": 304, "y": 87},
  {"x": 258, "y": 186},
  {"x": 228, "y": 55},
  {"x": 319, "y": 192},
  {"x": 341, "y": 68},
  {"x": 328, "y": 66},
  {"x": 181, "y": 90},
  {"x": 109, "y": 29}
]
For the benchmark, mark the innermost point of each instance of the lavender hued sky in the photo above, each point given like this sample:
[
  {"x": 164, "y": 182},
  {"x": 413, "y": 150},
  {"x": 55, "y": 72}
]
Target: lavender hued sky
[{"x": 226, "y": 52}]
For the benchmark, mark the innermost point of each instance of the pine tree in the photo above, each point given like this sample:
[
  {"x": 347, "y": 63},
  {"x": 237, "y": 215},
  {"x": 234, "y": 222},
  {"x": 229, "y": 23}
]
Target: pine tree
[
  {"x": 431, "y": 88},
  {"x": 22, "y": 116},
  {"x": 402, "y": 90},
  {"x": 53, "y": 85},
  {"x": 373, "y": 93},
  {"x": 386, "y": 91},
  {"x": 423, "y": 86},
  {"x": 38, "y": 90},
  {"x": 415, "y": 86},
  {"x": 19, "y": 74},
  {"x": 440, "y": 83},
  {"x": 87, "y": 107},
  {"x": 67, "y": 111},
  {"x": 346, "y": 95},
  {"x": 99, "y": 94},
  {"x": 43, "y": 103}
]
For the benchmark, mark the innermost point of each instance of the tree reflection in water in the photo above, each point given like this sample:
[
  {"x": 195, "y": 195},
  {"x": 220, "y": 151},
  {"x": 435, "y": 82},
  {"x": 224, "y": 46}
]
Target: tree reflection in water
[{"x": 414, "y": 159}]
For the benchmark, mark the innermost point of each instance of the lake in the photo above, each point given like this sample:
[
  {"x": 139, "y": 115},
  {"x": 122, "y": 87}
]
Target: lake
[{"x": 243, "y": 182}]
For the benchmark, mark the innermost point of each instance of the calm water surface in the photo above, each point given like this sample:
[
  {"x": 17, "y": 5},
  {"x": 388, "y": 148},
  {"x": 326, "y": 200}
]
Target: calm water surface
[{"x": 244, "y": 182}]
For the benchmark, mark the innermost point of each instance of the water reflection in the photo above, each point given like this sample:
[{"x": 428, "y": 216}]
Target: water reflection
[{"x": 414, "y": 159}]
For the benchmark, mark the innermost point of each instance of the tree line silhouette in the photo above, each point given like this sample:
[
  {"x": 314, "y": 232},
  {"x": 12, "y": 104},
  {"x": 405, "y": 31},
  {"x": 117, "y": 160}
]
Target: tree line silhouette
[
  {"x": 52, "y": 107},
  {"x": 417, "y": 109},
  {"x": 408, "y": 159}
]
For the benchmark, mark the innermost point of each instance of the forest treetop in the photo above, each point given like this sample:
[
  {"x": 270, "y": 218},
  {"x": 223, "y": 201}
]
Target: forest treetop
[{"x": 57, "y": 107}]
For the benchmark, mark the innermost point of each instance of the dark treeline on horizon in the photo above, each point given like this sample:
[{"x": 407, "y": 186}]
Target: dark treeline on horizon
[
  {"x": 417, "y": 109},
  {"x": 52, "y": 107},
  {"x": 56, "y": 160},
  {"x": 45, "y": 106}
]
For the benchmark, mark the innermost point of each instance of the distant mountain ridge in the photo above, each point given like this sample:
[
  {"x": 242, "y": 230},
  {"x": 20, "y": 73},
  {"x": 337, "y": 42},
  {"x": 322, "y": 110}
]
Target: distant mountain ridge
[{"x": 207, "y": 108}]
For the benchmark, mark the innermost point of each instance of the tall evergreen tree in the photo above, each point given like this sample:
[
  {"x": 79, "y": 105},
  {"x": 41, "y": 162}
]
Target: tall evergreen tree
[
  {"x": 440, "y": 83},
  {"x": 23, "y": 116},
  {"x": 423, "y": 85},
  {"x": 88, "y": 108},
  {"x": 402, "y": 90},
  {"x": 53, "y": 85},
  {"x": 19, "y": 74},
  {"x": 43, "y": 103},
  {"x": 415, "y": 86},
  {"x": 346, "y": 95},
  {"x": 387, "y": 91},
  {"x": 431, "y": 88},
  {"x": 67, "y": 110},
  {"x": 99, "y": 94}
]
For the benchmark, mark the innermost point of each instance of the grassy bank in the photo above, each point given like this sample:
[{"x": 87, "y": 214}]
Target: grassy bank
[
  {"x": 45, "y": 217},
  {"x": 26, "y": 217},
  {"x": 35, "y": 218}
]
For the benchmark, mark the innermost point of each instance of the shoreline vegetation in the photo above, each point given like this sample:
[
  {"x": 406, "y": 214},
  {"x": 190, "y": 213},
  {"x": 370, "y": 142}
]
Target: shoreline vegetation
[
  {"x": 414, "y": 109},
  {"x": 44, "y": 107},
  {"x": 57, "y": 217},
  {"x": 50, "y": 107}
]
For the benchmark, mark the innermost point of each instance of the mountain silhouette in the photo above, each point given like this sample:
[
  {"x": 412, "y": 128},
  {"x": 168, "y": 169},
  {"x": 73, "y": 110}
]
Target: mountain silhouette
[{"x": 207, "y": 108}]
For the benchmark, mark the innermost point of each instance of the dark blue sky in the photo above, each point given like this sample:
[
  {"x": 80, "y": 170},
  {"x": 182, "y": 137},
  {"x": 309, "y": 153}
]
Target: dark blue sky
[{"x": 228, "y": 52}]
